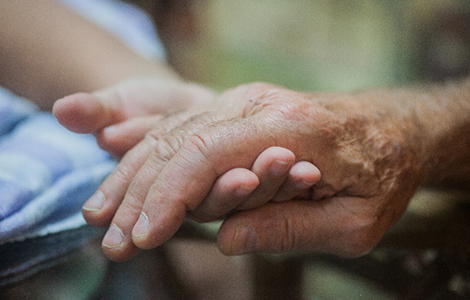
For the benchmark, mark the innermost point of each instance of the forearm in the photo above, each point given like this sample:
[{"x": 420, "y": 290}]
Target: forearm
[
  {"x": 434, "y": 122},
  {"x": 445, "y": 120},
  {"x": 48, "y": 52}
]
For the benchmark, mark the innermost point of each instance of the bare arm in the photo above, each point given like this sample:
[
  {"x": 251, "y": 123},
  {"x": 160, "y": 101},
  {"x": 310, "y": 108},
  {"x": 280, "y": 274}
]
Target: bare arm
[
  {"x": 47, "y": 52},
  {"x": 435, "y": 125},
  {"x": 447, "y": 123}
]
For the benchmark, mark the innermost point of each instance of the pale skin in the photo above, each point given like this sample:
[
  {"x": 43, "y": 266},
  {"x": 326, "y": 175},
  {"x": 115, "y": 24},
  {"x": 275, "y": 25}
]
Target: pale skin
[
  {"x": 48, "y": 52},
  {"x": 373, "y": 149}
]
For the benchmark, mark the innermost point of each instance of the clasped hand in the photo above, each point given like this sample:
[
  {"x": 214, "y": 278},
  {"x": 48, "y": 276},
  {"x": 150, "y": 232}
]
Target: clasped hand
[{"x": 254, "y": 157}]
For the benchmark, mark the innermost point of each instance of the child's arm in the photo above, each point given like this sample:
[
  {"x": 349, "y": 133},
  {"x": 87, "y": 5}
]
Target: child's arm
[{"x": 48, "y": 52}]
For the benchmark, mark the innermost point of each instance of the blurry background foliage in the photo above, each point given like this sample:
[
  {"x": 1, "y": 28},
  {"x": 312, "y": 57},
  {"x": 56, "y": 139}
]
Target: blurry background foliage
[{"x": 310, "y": 45}]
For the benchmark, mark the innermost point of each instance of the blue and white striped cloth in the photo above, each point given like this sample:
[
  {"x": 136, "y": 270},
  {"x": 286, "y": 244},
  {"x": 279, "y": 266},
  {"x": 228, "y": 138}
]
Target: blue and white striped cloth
[{"x": 46, "y": 171}]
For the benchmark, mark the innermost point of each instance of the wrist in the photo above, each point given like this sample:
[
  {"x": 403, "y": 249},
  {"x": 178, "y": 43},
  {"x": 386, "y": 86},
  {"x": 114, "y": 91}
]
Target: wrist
[
  {"x": 434, "y": 124},
  {"x": 445, "y": 120},
  {"x": 384, "y": 121}
]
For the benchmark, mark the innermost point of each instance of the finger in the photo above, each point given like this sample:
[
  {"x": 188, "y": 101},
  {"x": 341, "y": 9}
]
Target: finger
[
  {"x": 341, "y": 226},
  {"x": 188, "y": 177},
  {"x": 272, "y": 168},
  {"x": 302, "y": 176},
  {"x": 101, "y": 207},
  {"x": 87, "y": 113},
  {"x": 236, "y": 186},
  {"x": 166, "y": 204},
  {"x": 230, "y": 189},
  {"x": 120, "y": 138},
  {"x": 120, "y": 247},
  {"x": 117, "y": 243},
  {"x": 130, "y": 214}
]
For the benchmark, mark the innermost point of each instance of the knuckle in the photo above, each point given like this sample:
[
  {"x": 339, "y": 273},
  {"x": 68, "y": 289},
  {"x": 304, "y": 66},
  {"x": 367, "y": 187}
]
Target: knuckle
[
  {"x": 138, "y": 190},
  {"x": 132, "y": 205},
  {"x": 198, "y": 143},
  {"x": 291, "y": 110},
  {"x": 135, "y": 196},
  {"x": 123, "y": 173},
  {"x": 293, "y": 235},
  {"x": 168, "y": 146},
  {"x": 155, "y": 134}
]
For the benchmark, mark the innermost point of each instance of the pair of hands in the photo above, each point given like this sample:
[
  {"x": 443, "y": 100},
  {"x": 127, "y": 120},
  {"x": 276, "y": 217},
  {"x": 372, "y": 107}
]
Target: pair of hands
[{"x": 252, "y": 155}]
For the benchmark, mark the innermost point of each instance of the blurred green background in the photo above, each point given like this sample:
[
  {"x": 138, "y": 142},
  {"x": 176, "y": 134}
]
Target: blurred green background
[{"x": 334, "y": 45}]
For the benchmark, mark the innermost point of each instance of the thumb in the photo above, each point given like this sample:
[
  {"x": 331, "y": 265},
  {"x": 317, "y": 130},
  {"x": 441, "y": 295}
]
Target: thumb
[
  {"x": 87, "y": 113},
  {"x": 299, "y": 226}
]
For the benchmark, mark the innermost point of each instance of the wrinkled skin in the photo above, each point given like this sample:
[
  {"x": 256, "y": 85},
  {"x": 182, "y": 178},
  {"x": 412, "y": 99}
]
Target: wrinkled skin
[{"x": 369, "y": 172}]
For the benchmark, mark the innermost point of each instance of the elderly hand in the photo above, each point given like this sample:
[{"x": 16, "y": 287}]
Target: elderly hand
[{"x": 368, "y": 165}]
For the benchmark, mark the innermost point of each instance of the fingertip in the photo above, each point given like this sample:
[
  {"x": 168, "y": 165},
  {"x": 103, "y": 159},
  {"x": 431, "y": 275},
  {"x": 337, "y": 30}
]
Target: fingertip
[
  {"x": 225, "y": 237},
  {"x": 238, "y": 234},
  {"x": 273, "y": 162},
  {"x": 117, "y": 245},
  {"x": 243, "y": 181},
  {"x": 80, "y": 112},
  {"x": 119, "y": 255},
  {"x": 93, "y": 216},
  {"x": 279, "y": 154},
  {"x": 305, "y": 172},
  {"x": 110, "y": 140},
  {"x": 228, "y": 191},
  {"x": 97, "y": 211},
  {"x": 96, "y": 218},
  {"x": 140, "y": 231},
  {"x": 153, "y": 228},
  {"x": 240, "y": 240}
]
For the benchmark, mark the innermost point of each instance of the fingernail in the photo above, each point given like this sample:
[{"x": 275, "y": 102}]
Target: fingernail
[
  {"x": 279, "y": 168},
  {"x": 243, "y": 190},
  {"x": 302, "y": 184},
  {"x": 245, "y": 240},
  {"x": 141, "y": 227},
  {"x": 95, "y": 203},
  {"x": 114, "y": 238}
]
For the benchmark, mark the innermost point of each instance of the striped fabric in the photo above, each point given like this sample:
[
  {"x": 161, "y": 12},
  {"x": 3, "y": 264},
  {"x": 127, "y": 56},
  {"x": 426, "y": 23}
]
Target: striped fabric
[{"x": 48, "y": 172}]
